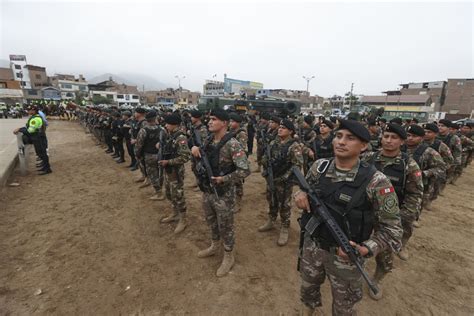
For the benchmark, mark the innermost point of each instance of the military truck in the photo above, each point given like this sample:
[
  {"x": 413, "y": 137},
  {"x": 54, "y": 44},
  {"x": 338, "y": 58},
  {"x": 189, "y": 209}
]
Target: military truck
[{"x": 280, "y": 106}]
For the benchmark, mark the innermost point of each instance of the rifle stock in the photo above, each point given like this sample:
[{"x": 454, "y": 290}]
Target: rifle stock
[{"x": 205, "y": 161}]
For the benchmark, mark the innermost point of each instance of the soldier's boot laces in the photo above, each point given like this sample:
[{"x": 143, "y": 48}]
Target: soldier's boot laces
[
  {"x": 283, "y": 239},
  {"x": 169, "y": 219},
  {"x": 378, "y": 276},
  {"x": 403, "y": 254},
  {"x": 267, "y": 226},
  {"x": 183, "y": 222},
  {"x": 227, "y": 264},
  {"x": 210, "y": 251}
]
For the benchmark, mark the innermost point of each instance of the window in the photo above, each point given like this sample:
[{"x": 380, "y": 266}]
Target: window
[
  {"x": 19, "y": 75},
  {"x": 32, "y": 92},
  {"x": 119, "y": 96},
  {"x": 66, "y": 86},
  {"x": 82, "y": 88},
  {"x": 17, "y": 67},
  {"x": 23, "y": 84},
  {"x": 460, "y": 83},
  {"x": 3, "y": 85},
  {"x": 135, "y": 97}
]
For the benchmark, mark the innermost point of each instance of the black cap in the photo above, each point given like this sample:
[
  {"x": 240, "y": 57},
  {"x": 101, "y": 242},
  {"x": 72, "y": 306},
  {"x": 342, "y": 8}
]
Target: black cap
[
  {"x": 288, "y": 124},
  {"x": 328, "y": 123},
  {"x": 275, "y": 119},
  {"x": 454, "y": 125},
  {"x": 116, "y": 114},
  {"x": 127, "y": 113},
  {"x": 355, "y": 128},
  {"x": 265, "y": 116},
  {"x": 468, "y": 124},
  {"x": 397, "y": 120},
  {"x": 220, "y": 114},
  {"x": 333, "y": 119},
  {"x": 140, "y": 110},
  {"x": 309, "y": 119},
  {"x": 445, "y": 122},
  {"x": 235, "y": 117},
  {"x": 371, "y": 122},
  {"x": 432, "y": 127},
  {"x": 397, "y": 129},
  {"x": 416, "y": 130},
  {"x": 150, "y": 115},
  {"x": 173, "y": 119},
  {"x": 196, "y": 114}
]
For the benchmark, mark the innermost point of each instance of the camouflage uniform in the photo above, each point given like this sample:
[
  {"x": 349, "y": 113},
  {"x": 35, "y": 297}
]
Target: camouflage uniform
[
  {"x": 147, "y": 138},
  {"x": 454, "y": 144},
  {"x": 308, "y": 139},
  {"x": 219, "y": 212},
  {"x": 201, "y": 128},
  {"x": 282, "y": 159},
  {"x": 261, "y": 142},
  {"x": 445, "y": 152},
  {"x": 318, "y": 261},
  {"x": 242, "y": 137},
  {"x": 432, "y": 167},
  {"x": 467, "y": 146},
  {"x": 177, "y": 152},
  {"x": 374, "y": 144},
  {"x": 409, "y": 200}
]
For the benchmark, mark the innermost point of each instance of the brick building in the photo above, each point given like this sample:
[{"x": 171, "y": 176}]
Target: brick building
[{"x": 459, "y": 97}]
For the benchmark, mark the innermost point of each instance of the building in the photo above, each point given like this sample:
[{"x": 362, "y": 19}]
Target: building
[
  {"x": 70, "y": 86},
  {"x": 435, "y": 89},
  {"x": 51, "y": 93},
  {"x": 120, "y": 94},
  {"x": 404, "y": 106},
  {"x": 10, "y": 89},
  {"x": 459, "y": 97},
  {"x": 213, "y": 88},
  {"x": 236, "y": 86},
  {"x": 20, "y": 72}
]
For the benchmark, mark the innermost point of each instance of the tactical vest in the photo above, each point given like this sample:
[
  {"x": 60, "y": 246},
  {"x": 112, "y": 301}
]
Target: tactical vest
[
  {"x": 348, "y": 204},
  {"x": 396, "y": 172},
  {"x": 136, "y": 128},
  {"x": 447, "y": 140},
  {"x": 152, "y": 137},
  {"x": 436, "y": 144},
  {"x": 170, "y": 151},
  {"x": 213, "y": 153},
  {"x": 418, "y": 153},
  {"x": 324, "y": 147},
  {"x": 280, "y": 162}
]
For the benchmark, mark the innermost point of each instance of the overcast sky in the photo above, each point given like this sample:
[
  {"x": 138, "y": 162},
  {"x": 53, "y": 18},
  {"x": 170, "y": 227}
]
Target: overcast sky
[{"x": 375, "y": 45}]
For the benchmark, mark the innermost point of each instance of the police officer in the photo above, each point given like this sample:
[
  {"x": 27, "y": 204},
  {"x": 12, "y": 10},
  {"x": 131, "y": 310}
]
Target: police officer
[
  {"x": 175, "y": 154},
  {"x": 406, "y": 178},
  {"x": 372, "y": 221},
  {"x": 285, "y": 153},
  {"x": 241, "y": 135},
  {"x": 229, "y": 166}
]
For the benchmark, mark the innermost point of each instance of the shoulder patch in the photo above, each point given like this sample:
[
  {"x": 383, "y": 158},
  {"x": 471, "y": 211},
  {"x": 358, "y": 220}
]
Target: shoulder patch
[{"x": 386, "y": 191}]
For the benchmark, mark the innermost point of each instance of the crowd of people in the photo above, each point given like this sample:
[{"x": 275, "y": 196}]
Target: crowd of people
[{"x": 375, "y": 178}]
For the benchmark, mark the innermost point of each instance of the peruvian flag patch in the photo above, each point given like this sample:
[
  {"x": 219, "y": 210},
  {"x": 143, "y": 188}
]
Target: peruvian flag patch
[{"x": 387, "y": 191}]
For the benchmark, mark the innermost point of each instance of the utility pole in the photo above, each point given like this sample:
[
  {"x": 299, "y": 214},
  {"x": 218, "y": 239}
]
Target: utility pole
[
  {"x": 179, "y": 80},
  {"x": 308, "y": 79},
  {"x": 350, "y": 100}
]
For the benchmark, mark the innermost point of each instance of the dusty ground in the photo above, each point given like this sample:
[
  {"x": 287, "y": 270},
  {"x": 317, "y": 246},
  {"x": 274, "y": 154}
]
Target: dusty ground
[{"x": 92, "y": 242}]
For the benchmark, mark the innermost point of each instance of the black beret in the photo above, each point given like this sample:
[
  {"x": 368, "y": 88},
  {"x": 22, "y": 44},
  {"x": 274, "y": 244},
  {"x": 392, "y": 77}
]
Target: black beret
[
  {"x": 416, "y": 130},
  {"x": 173, "y": 119},
  {"x": 235, "y": 117},
  {"x": 309, "y": 119},
  {"x": 454, "y": 125},
  {"x": 196, "y": 114},
  {"x": 333, "y": 119},
  {"x": 371, "y": 122},
  {"x": 116, "y": 114},
  {"x": 275, "y": 119},
  {"x": 432, "y": 127},
  {"x": 265, "y": 116},
  {"x": 328, "y": 123},
  {"x": 140, "y": 110},
  {"x": 397, "y": 129},
  {"x": 355, "y": 128},
  {"x": 127, "y": 113},
  {"x": 396, "y": 120},
  {"x": 468, "y": 124},
  {"x": 445, "y": 122},
  {"x": 220, "y": 114},
  {"x": 288, "y": 124},
  {"x": 150, "y": 115}
]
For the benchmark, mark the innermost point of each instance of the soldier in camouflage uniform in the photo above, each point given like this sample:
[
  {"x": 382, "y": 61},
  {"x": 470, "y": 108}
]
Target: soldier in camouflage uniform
[
  {"x": 307, "y": 140},
  {"x": 240, "y": 134},
  {"x": 175, "y": 154},
  {"x": 285, "y": 153},
  {"x": 262, "y": 128},
  {"x": 372, "y": 223},
  {"x": 197, "y": 128},
  {"x": 467, "y": 142},
  {"x": 138, "y": 124},
  {"x": 146, "y": 149},
  {"x": 406, "y": 178},
  {"x": 454, "y": 144},
  {"x": 430, "y": 161},
  {"x": 431, "y": 131},
  {"x": 375, "y": 135},
  {"x": 323, "y": 143},
  {"x": 229, "y": 165}
]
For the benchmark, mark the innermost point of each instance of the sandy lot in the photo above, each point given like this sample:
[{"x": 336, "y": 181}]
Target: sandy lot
[{"x": 91, "y": 241}]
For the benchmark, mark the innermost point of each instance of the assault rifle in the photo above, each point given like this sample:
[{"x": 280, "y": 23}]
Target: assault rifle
[
  {"x": 160, "y": 154},
  {"x": 269, "y": 169},
  {"x": 320, "y": 215},
  {"x": 205, "y": 161}
]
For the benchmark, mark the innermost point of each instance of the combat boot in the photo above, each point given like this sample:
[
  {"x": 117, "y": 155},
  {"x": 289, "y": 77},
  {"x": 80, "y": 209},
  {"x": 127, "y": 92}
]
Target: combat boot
[
  {"x": 238, "y": 204},
  {"x": 378, "y": 276},
  {"x": 428, "y": 206},
  {"x": 308, "y": 311},
  {"x": 159, "y": 196},
  {"x": 141, "y": 179},
  {"x": 227, "y": 264},
  {"x": 403, "y": 254},
  {"x": 183, "y": 222},
  {"x": 267, "y": 226},
  {"x": 283, "y": 239},
  {"x": 169, "y": 219},
  {"x": 144, "y": 184},
  {"x": 417, "y": 224},
  {"x": 210, "y": 251}
]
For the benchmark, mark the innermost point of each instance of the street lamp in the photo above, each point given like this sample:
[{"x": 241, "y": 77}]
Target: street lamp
[
  {"x": 179, "y": 80},
  {"x": 308, "y": 79}
]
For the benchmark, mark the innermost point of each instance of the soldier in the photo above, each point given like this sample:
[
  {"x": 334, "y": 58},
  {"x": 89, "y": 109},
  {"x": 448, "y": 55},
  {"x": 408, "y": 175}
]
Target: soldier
[
  {"x": 126, "y": 132},
  {"x": 372, "y": 220},
  {"x": 262, "y": 128},
  {"x": 382, "y": 123},
  {"x": 272, "y": 132},
  {"x": 197, "y": 126},
  {"x": 467, "y": 142},
  {"x": 406, "y": 178},
  {"x": 323, "y": 144},
  {"x": 431, "y": 131},
  {"x": 241, "y": 135},
  {"x": 146, "y": 149},
  {"x": 429, "y": 161},
  {"x": 307, "y": 139},
  {"x": 139, "y": 123},
  {"x": 175, "y": 154},
  {"x": 229, "y": 166},
  {"x": 454, "y": 143},
  {"x": 117, "y": 137},
  {"x": 107, "y": 132},
  {"x": 374, "y": 135},
  {"x": 285, "y": 153}
]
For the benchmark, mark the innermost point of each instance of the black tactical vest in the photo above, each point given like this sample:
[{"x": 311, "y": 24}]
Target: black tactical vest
[
  {"x": 436, "y": 145},
  {"x": 280, "y": 162},
  {"x": 396, "y": 172},
  {"x": 418, "y": 153},
  {"x": 170, "y": 149},
  {"x": 348, "y": 204},
  {"x": 213, "y": 153},
  {"x": 152, "y": 137},
  {"x": 324, "y": 147}
]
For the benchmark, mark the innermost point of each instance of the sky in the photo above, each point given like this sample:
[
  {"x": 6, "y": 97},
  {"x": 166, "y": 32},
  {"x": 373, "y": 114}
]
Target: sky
[{"x": 375, "y": 45}]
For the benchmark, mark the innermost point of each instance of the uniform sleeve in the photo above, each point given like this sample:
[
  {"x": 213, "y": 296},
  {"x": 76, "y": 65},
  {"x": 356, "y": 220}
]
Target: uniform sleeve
[
  {"x": 446, "y": 155},
  {"x": 436, "y": 165},
  {"x": 242, "y": 137},
  {"x": 457, "y": 149},
  {"x": 184, "y": 153},
  {"x": 387, "y": 229},
  {"x": 296, "y": 159},
  {"x": 239, "y": 158},
  {"x": 411, "y": 204},
  {"x": 140, "y": 141},
  {"x": 203, "y": 133},
  {"x": 367, "y": 155}
]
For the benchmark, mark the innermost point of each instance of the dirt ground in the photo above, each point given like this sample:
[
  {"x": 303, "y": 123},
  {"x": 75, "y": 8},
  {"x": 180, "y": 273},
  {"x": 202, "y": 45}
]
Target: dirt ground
[{"x": 91, "y": 241}]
